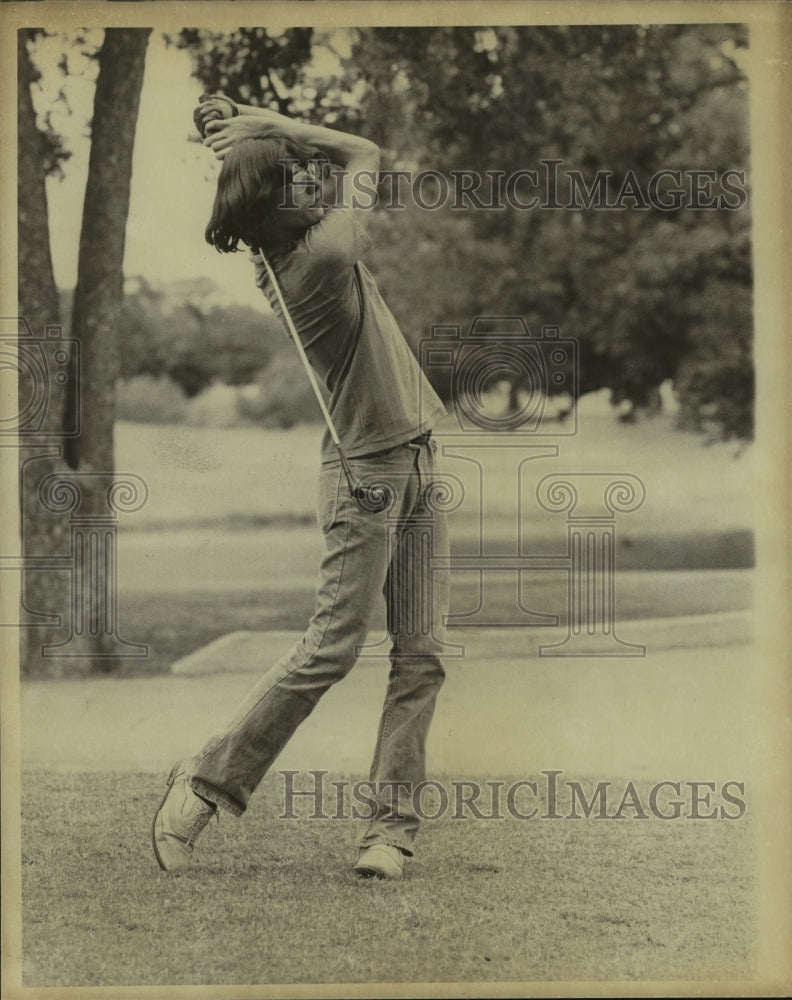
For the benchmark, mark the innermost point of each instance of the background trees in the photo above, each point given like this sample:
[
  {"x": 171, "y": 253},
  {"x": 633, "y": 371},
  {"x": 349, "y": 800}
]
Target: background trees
[
  {"x": 651, "y": 295},
  {"x": 97, "y": 301},
  {"x": 100, "y": 279},
  {"x": 38, "y": 302}
]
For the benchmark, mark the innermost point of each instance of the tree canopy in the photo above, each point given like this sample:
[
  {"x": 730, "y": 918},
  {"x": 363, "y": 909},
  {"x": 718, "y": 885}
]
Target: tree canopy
[{"x": 654, "y": 287}]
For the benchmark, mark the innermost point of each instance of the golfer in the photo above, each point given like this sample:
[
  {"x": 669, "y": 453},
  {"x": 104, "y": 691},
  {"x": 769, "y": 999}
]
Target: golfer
[{"x": 279, "y": 196}]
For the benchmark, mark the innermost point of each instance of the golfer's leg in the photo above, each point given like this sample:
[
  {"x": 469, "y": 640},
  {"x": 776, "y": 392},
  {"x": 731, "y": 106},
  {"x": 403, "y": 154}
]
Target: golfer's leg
[
  {"x": 353, "y": 569},
  {"x": 417, "y": 600}
]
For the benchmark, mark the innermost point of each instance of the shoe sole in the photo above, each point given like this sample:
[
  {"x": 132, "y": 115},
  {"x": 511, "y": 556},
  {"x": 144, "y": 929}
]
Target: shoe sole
[
  {"x": 171, "y": 779},
  {"x": 365, "y": 872},
  {"x": 369, "y": 871},
  {"x": 375, "y": 873}
]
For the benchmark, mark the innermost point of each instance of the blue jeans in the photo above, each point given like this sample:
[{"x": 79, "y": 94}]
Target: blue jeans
[{"x": 367, "y": 554}]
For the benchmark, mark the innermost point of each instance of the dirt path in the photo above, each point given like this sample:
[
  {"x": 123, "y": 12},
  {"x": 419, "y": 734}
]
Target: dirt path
[{"x": 686, "y": 714}]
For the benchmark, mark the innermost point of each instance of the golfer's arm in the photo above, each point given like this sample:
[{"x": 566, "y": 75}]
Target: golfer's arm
[{"x": 352, "y": 152}]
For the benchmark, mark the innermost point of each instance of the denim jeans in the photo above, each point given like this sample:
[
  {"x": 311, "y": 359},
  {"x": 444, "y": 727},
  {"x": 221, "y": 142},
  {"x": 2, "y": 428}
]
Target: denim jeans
[{"x": 368, "y": 554}]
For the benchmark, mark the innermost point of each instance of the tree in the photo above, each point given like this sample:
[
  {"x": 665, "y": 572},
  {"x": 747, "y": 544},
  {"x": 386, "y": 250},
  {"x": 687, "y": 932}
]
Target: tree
[
  {"x": 633, "y": 286},
  {"x": 271, "y": 68},
  {"x": 98, "y": 294},
  {"x": 97, "y": 297},
  {"x": 43, "y": 593},
  {"x": 254, "y": 65}
]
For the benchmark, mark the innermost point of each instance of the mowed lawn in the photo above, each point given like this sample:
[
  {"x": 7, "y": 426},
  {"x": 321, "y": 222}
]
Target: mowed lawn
[
  {"x": 226, "y": 477},
  {"x": 271, "y": 900},
  {"x": 226, "y": 541},
  {"x": 227, "y": 538},
  {"x": 173, "y": 624}
]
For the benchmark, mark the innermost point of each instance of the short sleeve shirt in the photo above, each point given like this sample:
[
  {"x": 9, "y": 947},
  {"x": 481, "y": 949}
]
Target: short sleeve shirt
[{"x": 379, "y": 397}]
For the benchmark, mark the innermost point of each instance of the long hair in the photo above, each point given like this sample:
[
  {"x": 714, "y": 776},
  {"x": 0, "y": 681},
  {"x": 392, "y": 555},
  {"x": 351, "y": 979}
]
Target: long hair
[{"x": 250, "y": 188}]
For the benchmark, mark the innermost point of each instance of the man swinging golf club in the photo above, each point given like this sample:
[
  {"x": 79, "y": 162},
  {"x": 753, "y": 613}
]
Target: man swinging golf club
[{"x": 279, "y": 196}]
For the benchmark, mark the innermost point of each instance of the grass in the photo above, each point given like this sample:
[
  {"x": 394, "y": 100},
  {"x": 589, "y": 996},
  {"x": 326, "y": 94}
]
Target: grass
[
  {"x": 210, "y": 482},
  {"x": 179, "y": 623},
  {"x": 205, "y": 474},
  {"x": 273, "y": 901}
]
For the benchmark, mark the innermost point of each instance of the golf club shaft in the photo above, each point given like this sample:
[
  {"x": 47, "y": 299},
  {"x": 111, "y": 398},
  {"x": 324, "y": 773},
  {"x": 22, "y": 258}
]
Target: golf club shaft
[{"x": 307, "y": 365}]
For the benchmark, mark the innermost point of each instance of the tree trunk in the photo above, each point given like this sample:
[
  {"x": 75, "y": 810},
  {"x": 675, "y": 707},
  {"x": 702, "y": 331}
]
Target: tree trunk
[
  {"x": 99, "y": 291},
  {"x": 98, "y": 297},
  {"x": 41, "y": 392}
]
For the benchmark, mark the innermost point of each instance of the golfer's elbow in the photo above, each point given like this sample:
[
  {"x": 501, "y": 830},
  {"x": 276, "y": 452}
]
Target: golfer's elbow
[
  {"x": 364, "y": 159},
  {"x": 370, "y": 152}
]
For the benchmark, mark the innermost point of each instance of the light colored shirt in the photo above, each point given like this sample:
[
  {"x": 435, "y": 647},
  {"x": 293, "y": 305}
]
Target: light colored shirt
[{"x": 379, "y": 397}]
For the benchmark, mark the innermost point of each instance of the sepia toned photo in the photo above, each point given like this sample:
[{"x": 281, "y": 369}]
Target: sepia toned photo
[{"x": 395, "y": 465}]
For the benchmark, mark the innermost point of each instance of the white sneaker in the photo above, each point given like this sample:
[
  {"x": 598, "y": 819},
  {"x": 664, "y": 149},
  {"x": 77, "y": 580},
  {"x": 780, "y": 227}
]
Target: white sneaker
[{"x": 179, "y": 820}]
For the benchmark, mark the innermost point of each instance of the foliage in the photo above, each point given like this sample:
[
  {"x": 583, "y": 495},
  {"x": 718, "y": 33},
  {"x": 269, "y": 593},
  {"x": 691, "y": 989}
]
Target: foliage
[
  {"x": 273, "y": 68},
  {"x": 282, "y": 394},
  {"x": 177, "y": 339},
  {"x": 179, "y": 331},
  {"x": 150, "y": 399},
  {"x": 250, "y": 63},
  {"x": 633, "y": 285}
]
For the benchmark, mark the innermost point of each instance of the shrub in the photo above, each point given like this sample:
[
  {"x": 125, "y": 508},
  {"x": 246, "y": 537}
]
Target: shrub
[
  {"x": 148, "y": 400},
  {"x": 216, "y": 406},
  {"x": 281, "y": 396}
]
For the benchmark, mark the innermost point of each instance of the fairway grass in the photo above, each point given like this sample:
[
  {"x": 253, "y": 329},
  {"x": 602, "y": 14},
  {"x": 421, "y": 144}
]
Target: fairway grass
[
  {"x": 179, "y": 623},
  {"x": 273, "y": 901}
]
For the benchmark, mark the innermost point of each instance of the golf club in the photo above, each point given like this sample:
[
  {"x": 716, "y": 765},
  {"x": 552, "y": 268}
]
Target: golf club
[{"x": 372, "y": 498}]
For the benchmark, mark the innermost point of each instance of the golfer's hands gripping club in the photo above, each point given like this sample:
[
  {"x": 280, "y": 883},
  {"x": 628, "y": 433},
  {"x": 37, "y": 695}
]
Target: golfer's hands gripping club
[
  {"x": 221, "y": 133},
  {"x": 213, "y": 108}
]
